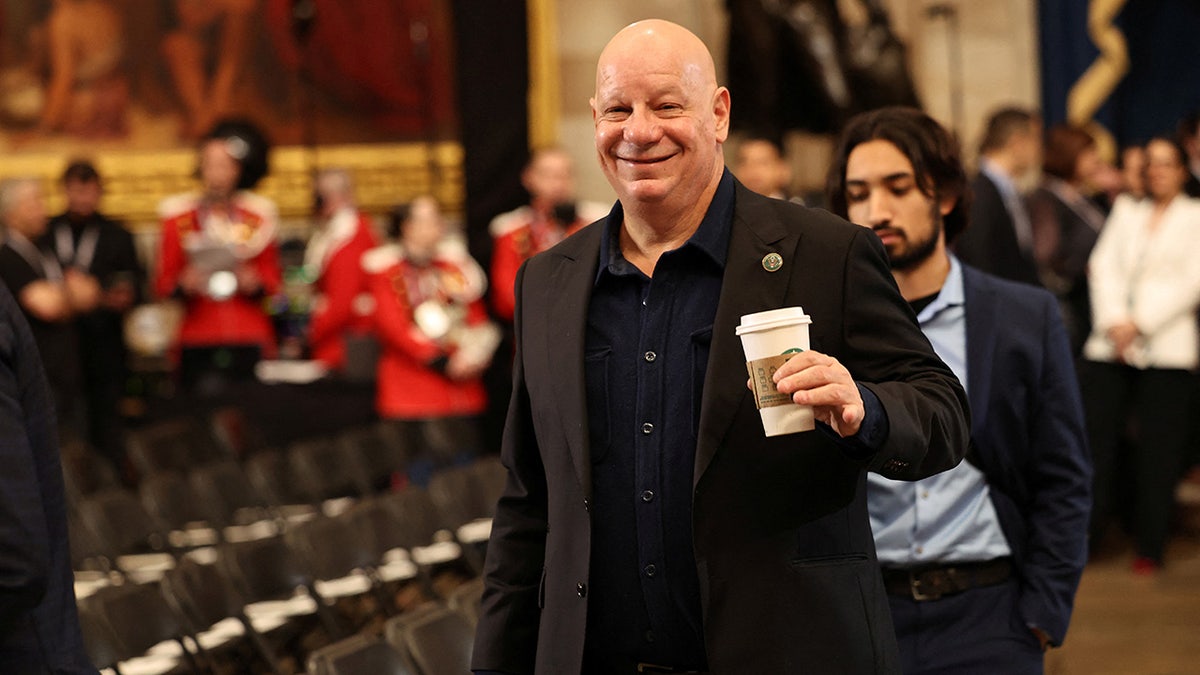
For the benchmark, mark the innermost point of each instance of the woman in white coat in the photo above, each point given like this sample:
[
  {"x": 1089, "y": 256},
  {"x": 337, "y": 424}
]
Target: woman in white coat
[{"x": 1140, "y": 356}]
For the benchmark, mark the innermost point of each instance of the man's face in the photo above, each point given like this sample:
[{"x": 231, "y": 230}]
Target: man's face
[
  {"x": 83, "y": 197},
  {"x": 882, "y": 193},
  {"x": 550, "y": 179},
  {"x": 28, "y": 212},
  {"x": 219, "y": 171},
  {"x": 760, "y": 168},
  {"x": 423, "y": 230},
  {"x": 659, "y": 126}
]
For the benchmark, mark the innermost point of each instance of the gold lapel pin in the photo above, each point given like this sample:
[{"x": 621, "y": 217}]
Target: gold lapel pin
[{"x": 771, "y": 262}]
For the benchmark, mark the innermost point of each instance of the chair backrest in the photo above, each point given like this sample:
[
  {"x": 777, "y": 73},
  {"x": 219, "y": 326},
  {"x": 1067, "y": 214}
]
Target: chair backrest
[
  {"x": 102, "y": 647},
  {"x": 170, "y": 445},
  {"x": 264, "y": 569},
  {"x": 323, "y": 471},
  {"x": 226, "y": 494},
  {"x": 334, "y": 546},
  {"x": 135, "y": 617},
  {"x": 491, "y": 478},
  {"x": 118, "y": 520},
  {"x": 271, "y": 475},
  {"x": 457, "y": 496},
  {"x": 85, "y": 471},
  {"x": 415, "y": 518},
  {"x": 467, "y": 599},
  {"x": 203, "y": 594},
  {"x": 169, "y": 497},
  {"x": 359, "y": 655},
  {"x": 376, "y": 457},
  {"x": 438, "y": 641}
]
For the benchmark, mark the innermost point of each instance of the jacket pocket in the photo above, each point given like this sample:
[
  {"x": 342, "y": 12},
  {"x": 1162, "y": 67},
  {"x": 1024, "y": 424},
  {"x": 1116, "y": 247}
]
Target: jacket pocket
[
  {"x": 828, "y": 560},
  {"x": 595, "y": 364}
]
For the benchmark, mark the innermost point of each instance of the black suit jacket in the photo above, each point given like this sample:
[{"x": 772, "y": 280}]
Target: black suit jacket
[
  {"x": 785, "y": 556},
  {"x": 39, "y": 627},
  {"x": 1027, "y": 429},
  {"x": 989, "y": 243}
]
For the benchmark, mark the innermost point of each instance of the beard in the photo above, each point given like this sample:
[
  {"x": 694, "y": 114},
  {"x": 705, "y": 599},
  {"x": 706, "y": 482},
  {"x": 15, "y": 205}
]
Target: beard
[{"x": 909, "y": 254}]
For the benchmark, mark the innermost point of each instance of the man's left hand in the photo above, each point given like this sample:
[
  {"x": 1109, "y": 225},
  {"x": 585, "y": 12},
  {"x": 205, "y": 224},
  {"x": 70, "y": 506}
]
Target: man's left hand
[{"x": 821, "y": 381}]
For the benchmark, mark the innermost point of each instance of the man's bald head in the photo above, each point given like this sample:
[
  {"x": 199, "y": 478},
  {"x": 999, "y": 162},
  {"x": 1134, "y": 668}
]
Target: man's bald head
[{"x": 655, "y": 40}]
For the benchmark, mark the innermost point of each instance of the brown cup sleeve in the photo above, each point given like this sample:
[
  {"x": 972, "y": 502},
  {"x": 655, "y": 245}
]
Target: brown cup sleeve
[{"x": 761, "y": 372}]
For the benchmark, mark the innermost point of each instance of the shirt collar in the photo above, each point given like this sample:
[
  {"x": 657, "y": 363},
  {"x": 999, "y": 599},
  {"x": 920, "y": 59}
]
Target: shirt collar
[
  {"x": 951, "y": 295},
  {"x": 711, "y": 238}
]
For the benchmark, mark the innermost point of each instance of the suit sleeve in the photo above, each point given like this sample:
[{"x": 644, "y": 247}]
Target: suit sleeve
[
  {"x": 1059, "y": 477},
  {"x": 24, "y": 535},
  {"x": 926, "y": 407},
  {"x": 506, "y": 639}
]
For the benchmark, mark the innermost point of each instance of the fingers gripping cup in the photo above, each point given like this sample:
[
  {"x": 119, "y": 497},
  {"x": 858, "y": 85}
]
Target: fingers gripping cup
[{"x": 769, "y": 339}]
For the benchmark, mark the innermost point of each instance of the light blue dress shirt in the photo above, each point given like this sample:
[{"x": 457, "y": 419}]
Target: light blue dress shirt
[{"x": 947, "y": 517}]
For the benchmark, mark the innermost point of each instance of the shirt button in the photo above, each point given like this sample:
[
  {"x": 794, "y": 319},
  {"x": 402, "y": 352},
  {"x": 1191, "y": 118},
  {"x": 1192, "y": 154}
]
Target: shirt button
[
  {"x": 651, "y": 570},
  {"x": 581, "y": 590},
  {"x": 920, "y": 549},
  {"x": 649, "y": 636},
  {"x": 648, "y": 495},
  {"x": 587, "y": 505},
  {"x": 925, "y": 494},
  {"x": 647, "y": 428},
  {"x": 650, "y": 356}
]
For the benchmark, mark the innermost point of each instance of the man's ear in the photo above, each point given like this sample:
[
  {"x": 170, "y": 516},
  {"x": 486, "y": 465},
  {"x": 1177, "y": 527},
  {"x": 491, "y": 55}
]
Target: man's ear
[
  {"x": 720, "y": 112},
  {"x": 947, "y": 205}
]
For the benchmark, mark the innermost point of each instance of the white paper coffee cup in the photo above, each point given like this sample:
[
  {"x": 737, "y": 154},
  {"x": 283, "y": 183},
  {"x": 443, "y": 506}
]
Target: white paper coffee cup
[{"x": 769, "y": 339}]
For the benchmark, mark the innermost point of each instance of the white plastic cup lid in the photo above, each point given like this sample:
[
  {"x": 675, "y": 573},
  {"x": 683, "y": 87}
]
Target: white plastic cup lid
[{"x": 774, "y": 318}]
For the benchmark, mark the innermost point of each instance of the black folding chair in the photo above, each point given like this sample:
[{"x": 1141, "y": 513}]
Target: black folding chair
[
  {"x": 323, "y": 471},
  {"x": 126, "y": 621},
  {"x": 137, "y": 543},
  {"x": 209, "y": 604},
  {"x": 437, "y": 639},
  {"x": 359, "y": 655}
]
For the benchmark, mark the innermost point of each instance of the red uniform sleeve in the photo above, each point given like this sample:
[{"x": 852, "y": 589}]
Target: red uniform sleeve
[
  {"x": 171, "y": 259},
  {"x": 506, "y": 260},
  {"x": 342, "y": 281},
  {"x": 393, "y": 320},
  {"x": 266, "y": 263}
]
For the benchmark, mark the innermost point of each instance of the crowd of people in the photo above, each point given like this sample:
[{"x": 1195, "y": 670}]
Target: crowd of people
[{"x": 994, "y": 364}]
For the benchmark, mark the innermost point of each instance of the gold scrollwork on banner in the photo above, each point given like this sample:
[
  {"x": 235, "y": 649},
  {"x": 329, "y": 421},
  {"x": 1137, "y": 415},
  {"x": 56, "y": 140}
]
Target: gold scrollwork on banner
[{"x": 384, "y": 175}]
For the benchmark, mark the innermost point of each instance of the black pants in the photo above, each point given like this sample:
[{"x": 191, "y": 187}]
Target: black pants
[{"x": 1160, "y": 403}]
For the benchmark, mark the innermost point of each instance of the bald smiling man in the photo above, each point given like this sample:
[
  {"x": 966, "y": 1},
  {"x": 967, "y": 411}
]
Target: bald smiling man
[{"x": 648, "y": 525}]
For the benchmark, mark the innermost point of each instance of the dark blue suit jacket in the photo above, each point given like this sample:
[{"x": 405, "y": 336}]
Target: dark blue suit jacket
[
  {"x": 1028, "y": 438},
  {"x": 39, "y": 627}
]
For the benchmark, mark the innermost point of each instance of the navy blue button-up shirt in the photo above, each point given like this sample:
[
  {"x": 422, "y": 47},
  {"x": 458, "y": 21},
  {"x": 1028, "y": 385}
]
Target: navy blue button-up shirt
[{"x": 646, "y": 352}]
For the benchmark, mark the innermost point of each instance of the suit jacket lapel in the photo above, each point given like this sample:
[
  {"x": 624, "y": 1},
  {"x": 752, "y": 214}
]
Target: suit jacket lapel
[
  {"x": 982, "y": 326},
  {"x": 565, "y": 330},
  {"x": 746, "y": 287}
]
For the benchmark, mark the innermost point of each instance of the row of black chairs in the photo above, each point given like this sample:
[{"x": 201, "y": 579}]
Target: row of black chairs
[
  {"x": 254, "y": 609},
  {"x": 434, "y": 639}
]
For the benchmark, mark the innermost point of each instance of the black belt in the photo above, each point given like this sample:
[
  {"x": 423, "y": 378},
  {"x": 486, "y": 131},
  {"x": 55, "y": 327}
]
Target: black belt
[
  {"x": 652, "y": 668},
  {"x": 930, "y": 583}
]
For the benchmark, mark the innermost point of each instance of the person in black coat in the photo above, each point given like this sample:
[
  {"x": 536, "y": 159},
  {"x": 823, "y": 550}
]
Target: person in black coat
[{"x": 87, "y": 241}]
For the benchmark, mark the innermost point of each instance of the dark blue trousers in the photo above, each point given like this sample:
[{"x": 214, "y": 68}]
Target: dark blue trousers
[{"x": 976, "y": 631}]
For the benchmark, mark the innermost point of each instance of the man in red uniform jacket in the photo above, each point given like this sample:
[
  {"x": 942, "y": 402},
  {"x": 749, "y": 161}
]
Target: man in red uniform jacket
[
  {"x": 218, "y": 251},
  {"x": 552, "y": 215},
  {"x": 342, "y": 305}
]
